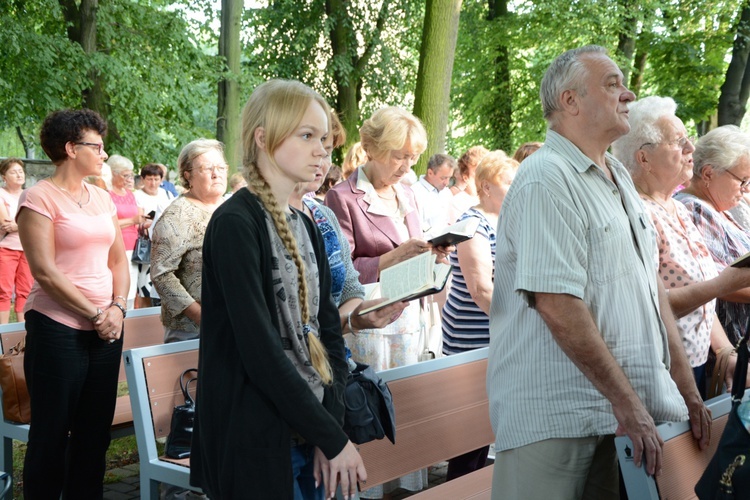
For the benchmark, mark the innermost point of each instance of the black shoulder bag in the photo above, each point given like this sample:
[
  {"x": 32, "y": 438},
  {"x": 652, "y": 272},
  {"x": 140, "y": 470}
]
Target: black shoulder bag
[
  {"x": 728, "y": 474},
  {"x": 369, "y": 407},
  {"x": 183, "y": 416}
]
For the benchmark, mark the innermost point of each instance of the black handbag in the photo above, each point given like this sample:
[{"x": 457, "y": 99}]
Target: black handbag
[
  {"x": 369, "y": 411},
  {"x": 728, "y": 474},
  {"x": 142, "y": 250},
  {"x": 183, "y": 416}
]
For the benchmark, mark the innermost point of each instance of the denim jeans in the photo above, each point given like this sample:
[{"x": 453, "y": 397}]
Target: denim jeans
[
  {"x": 302, "y": 473},
  {"x": 72, "y": 379}
]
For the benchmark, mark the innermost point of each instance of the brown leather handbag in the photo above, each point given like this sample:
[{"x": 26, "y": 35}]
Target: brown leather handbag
[{"x": 16, "y": 400}]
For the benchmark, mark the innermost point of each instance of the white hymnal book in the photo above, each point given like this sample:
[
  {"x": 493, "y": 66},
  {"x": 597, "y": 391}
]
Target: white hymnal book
[
  {"x": 456, "y": 233},
  {"x": 409, "y": 280}
]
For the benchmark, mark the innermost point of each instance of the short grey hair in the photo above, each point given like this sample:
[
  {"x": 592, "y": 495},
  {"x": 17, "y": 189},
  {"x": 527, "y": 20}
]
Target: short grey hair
[
  {"x": 119, "y": 164},
  {"x": 721, "y": 148},
  {"x": 567, "y": 72},
  {"x": 643, "y": 115},
  {"x": 193, "y": 150}
]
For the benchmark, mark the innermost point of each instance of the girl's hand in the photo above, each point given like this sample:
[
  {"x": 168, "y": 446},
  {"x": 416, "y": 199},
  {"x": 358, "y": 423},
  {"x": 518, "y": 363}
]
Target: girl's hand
[{"x": 346, "y": 467}]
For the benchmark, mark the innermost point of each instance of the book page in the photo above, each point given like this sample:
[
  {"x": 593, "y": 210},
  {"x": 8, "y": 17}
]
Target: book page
[{"x": 407, "y": 277}]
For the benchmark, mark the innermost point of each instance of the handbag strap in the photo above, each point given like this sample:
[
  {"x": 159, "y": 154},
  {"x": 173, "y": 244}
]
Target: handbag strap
[
  {"x": 185, "y": 386},
  {"x": 740, "y": 370}
]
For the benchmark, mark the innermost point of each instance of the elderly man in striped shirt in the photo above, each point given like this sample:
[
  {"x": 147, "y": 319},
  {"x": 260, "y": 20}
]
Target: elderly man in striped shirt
[{"x": 583, "y": 343}]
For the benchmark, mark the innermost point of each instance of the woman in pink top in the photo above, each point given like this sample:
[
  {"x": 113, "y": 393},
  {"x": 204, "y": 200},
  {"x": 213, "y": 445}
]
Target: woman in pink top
[
  {"x": 14, "y": 269},
  {"x": 74, "y": 313},
  {"x": 129, "y": 216}
]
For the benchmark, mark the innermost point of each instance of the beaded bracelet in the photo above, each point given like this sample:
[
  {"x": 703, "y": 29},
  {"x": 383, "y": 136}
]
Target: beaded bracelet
[{"x": 122, "y": 309}]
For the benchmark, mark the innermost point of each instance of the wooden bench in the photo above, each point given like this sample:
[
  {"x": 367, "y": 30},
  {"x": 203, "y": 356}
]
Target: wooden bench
[
  {"x": 142, "y": 328},
  {"x": 441, "y": 412},
  {"x": 683, "y": 462},
  {"x": 153, "y": 374}
]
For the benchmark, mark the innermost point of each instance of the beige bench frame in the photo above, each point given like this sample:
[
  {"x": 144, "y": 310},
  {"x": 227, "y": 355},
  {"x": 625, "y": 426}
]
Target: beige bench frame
[
  {"x": 683, "y": 462},
  {"x": 142, "y": 327}
]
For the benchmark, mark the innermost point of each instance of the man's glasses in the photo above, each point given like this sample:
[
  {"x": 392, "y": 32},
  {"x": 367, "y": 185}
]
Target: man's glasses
[
  {"x": 219, "y": 169},
  {"x": 98, "y": 145},
  {"x": 743, "y": 182}
]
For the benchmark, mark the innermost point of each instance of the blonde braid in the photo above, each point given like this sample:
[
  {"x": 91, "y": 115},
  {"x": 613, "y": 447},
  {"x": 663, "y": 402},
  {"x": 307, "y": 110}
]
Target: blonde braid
[{"x": 318, "y": 354}]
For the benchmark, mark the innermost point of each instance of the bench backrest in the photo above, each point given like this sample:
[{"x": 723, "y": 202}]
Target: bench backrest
[
  {"x": 163, "y": 386},
  {"x": 142, "y": 328},
  {"x": 153, "y": 374},
  {"x": 683, "y": 462},
  {"x": 441, "y": 412}
]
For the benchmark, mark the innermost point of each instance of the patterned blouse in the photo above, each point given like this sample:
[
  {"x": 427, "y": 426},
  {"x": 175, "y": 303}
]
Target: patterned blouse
[
  {"x": 684, "y": 259},
  {"x": 726, "y": 242},
  {"x": 345, "y": 283},
  {"x": 176, "y": 261}
]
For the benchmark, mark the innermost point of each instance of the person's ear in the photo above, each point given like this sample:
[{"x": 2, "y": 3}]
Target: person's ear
[
  {"x": 70, "y": 149},
  {"x": 569, "y": 101},
  {"x": 260, "y": 138},
  {"x": 708, "y": 173},
  {"x": 641, "y": 158}
]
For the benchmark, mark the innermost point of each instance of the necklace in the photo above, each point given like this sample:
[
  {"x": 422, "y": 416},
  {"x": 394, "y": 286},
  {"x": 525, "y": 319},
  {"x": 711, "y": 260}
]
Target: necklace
[
  {"x": 671, "y": 212},
  {"x": 80, "y": 198}
]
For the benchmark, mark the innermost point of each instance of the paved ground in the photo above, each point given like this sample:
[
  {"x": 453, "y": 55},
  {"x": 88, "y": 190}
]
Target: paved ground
[{"x": 127, "y": 486}]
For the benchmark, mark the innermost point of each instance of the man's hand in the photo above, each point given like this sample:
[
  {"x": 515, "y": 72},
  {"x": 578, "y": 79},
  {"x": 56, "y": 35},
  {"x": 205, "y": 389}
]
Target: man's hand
[
  {"x": 637, "y": 424},
  {"x": 700, "y": 421}
]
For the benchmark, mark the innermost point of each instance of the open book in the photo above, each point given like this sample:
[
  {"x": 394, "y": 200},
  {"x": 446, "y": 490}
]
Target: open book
[
  {"x": 743, "y": 261},
  {"x": 409, "y": 280},
  {"x": 456, "y": 233}
]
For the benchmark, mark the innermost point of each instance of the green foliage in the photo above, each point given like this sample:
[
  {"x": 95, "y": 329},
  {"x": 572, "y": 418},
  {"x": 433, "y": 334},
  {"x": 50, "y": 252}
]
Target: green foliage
[
  {"x": 687, "y": 42},
  {"x": 291, "y": 39},
  {"x": 159, "y": 82}
]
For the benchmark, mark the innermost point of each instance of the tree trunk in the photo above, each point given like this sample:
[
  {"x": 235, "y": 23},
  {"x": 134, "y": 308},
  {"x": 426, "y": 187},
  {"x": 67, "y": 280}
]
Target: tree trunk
[
  {"x": 432, "y": 95},
  {"x": 228, "y": 109},
  {"x": 500, "y": 115},
  {"x": 28, "y": 147},
  {"x": 348, "y": 67},
  {"x": 639, "y": 66},
  {"x": 736, "y": 87},
  {"x": 626, "y": 39}
]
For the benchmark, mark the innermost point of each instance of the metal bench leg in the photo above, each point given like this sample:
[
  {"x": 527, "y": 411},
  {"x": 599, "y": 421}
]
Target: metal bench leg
[{"x": 6, "y": 460}]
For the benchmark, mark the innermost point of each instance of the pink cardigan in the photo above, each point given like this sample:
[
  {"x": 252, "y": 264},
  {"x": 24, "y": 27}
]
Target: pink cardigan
[{"x": 369, "y": 235}]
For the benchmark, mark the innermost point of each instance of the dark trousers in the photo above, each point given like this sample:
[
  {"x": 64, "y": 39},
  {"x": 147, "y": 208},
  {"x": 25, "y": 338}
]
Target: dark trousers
[
  {"x": 72, "y": 378},
  {"x": 467, "y": 463}
]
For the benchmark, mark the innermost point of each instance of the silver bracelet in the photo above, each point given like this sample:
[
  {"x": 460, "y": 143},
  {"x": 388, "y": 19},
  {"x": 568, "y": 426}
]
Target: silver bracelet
[{"x": 349, "y": 322}]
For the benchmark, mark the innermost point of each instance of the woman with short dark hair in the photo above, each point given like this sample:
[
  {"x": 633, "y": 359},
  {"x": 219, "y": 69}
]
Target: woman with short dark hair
[{"x": 74, "y": 313}]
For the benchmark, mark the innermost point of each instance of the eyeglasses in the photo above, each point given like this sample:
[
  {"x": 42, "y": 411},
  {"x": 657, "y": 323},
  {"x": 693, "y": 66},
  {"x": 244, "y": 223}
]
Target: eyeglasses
[
  {"x": 743, "y": 182},
  {"x": 681, "y": 143},
  {"x": 98, "y": 145},
  {"x": 219, "y": 169}
]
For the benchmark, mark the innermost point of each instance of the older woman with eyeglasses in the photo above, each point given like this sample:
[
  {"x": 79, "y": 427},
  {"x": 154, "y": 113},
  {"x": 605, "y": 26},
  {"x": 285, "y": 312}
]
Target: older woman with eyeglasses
[
  {"x": 129, "y": 215},
  {"x": 659, "y": 155},
  {"x": 177, "y": 242},
  {"x": 721, "y": 176}
]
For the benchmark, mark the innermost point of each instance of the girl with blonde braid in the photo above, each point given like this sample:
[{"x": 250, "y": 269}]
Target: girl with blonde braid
[{"x": 272, "y": 363}]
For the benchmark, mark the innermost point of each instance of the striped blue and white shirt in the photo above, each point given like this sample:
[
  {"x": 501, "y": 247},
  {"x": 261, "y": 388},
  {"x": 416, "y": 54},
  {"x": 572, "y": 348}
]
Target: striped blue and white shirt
[
  {"x": 565, "y": 228},
  {"x": 465, "y": 325}
]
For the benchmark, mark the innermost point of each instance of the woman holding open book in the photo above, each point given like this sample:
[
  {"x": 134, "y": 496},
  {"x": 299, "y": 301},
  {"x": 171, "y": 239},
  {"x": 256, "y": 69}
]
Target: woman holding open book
[
  {"x": 378, "y": 215},
  {"x": 659, "y": 156}
]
